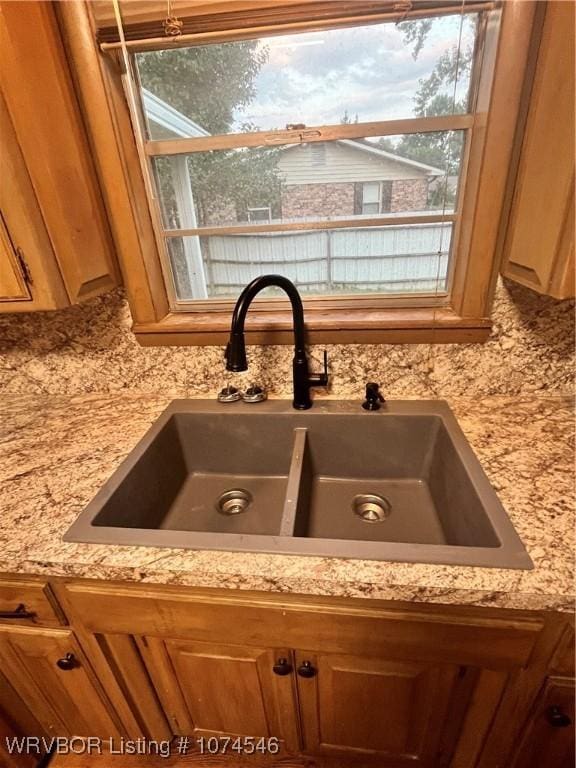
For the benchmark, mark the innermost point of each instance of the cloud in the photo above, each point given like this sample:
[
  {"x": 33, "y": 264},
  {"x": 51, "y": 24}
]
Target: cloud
[{"x": 369, "y": 71}]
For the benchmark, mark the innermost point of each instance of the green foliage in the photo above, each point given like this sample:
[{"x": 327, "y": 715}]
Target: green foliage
[
  {"x": 415, "y": 32},
  {"x": 386, "y": 144},
  {"x": 450, "y": 67},
  {"x": 208, "y": 84},
  {"x": 245, "y": 177},
  {"x": 434, "y": 97}
]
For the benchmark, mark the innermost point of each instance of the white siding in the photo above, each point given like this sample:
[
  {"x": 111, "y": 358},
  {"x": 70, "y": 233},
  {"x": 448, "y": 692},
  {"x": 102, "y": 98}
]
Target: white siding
[{"x": 303, "y": 164}]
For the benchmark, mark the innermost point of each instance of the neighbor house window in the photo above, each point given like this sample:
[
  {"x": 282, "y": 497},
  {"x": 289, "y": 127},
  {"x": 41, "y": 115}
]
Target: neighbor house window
[
  {"x": 377, "y": 197},
  {"x": 371, "y": 197}
]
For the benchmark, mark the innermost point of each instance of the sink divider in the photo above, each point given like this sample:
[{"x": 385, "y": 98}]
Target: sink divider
[{"x": 293, "y": 486}]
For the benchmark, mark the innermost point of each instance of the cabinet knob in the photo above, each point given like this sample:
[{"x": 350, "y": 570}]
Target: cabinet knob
[
  {"x": 557, "y": 718},
  {"x": 306, "y": 669},
  {"x": 282, "y": 667},
  {"x": 67, "y": 662}
]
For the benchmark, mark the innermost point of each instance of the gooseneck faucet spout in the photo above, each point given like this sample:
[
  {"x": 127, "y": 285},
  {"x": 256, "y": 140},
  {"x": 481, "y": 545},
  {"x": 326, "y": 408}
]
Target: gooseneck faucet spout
[{"x": 236, "y": 348}]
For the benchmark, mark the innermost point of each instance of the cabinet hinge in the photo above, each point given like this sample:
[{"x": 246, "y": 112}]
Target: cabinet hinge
[{"x": 24, "y": 268}]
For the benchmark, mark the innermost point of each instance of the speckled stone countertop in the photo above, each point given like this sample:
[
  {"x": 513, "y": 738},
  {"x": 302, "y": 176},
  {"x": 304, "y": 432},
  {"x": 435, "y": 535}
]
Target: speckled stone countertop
[{"x": 56, "y": 451}]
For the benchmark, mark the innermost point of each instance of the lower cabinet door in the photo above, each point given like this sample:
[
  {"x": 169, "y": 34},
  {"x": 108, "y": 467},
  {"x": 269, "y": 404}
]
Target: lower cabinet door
[
  {"x": 48, "y": 671},
  {"x": 549, "y": 734},
  {"x": 392, "y": 710},
  {"x": 224, "y": 690}
]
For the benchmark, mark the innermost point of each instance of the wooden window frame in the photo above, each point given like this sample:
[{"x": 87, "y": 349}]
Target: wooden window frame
[{"x": 465, "y": 318}]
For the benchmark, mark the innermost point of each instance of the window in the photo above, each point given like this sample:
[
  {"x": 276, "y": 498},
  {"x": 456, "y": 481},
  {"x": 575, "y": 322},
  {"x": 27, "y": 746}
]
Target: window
[
  {"x": 377, "y": 196},
  {"x": 364, "y": 159},
  {"x": 371, "y": 197},
  {"x": 310, "y": 79}
]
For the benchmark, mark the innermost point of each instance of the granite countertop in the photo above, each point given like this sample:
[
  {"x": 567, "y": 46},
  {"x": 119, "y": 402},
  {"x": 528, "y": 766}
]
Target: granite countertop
[{"x": 56, "y": 451}]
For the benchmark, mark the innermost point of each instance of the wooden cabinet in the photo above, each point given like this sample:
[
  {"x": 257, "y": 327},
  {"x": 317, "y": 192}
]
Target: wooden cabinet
[
  {"x": 355, "y": 682},
  {"x": 16, "y": 722},
  {"x": 539, "y": 245},
  {"x": 13, "y": 273},
  {"x": 377, "y": 683},
  {"x": 56, "y": 247},
  {"x": 385, "y": 707},
  {"x": 393, "y": 711},
  {"x": 549, "y": 733},
  {"x": 54, "y": 681},
  {"x": 212, "y": 689},
  {"x": 28, "y": 603}
]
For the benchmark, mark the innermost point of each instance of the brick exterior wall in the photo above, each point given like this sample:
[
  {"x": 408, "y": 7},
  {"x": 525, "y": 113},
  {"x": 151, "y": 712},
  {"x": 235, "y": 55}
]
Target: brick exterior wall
[
  {"x": 320, "y": 200},
  {"x": 301, "y": 200},
  {"x": 337, "y": 199},
  {"x": 409, "y": 195}
]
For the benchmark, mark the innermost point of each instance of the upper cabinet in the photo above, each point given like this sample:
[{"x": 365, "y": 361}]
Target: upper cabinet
[
  {"x": 14, "y": 277},
  {"x": 539, "y": 244},
  {"x": 56, "y": 248}
]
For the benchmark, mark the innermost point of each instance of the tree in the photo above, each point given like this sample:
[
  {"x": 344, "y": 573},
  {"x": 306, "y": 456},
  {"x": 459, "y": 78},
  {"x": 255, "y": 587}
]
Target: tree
[
  {"x": 209, "y": 84},
  {"x": 451, "y": 65},
  {"x": 440, "y": 149}
]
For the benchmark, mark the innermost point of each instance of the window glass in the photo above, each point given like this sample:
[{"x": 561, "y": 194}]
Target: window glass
[
  {"x": 350, "y": 214},
  {"x": 371, "y": 197},
  {"x": 388, "y": 260},
  {"x": 360, "y": 74},
  {"x": 394, "y": 175}
]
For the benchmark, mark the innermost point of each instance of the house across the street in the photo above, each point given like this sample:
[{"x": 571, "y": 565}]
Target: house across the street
[
  {"x": 348, "y": 178},
  {"x": 351, "y": 177}
]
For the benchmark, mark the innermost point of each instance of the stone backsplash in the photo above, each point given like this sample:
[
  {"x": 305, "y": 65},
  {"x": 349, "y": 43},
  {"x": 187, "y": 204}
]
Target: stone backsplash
[{"x": 90, "y": 348}]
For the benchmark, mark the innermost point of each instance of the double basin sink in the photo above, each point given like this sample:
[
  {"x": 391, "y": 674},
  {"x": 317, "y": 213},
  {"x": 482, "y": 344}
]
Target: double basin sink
[{"x": 398, "y": 484}]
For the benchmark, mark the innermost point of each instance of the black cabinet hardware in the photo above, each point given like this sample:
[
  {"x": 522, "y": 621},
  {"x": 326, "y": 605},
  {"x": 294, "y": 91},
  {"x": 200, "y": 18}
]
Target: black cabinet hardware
[
  {"x": 282, "y": 667},
  {"x": 19, "y": 612},
  {"x": 306, "y": 669},
  {"x": 67, "y": 663},
  {"x": 557, "y": 718}
]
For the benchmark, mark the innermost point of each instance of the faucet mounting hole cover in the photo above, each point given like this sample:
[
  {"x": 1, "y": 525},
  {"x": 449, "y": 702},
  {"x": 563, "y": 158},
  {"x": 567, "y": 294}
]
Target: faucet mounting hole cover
[
  {"x": 234, "y": 502},
  {"x": 371, "y": 508}
]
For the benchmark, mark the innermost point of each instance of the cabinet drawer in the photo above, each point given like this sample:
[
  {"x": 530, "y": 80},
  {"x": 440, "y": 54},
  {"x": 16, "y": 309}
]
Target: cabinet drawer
[
  {"x": 429, "y": 633},
  {"x": 29, "y": 603}
]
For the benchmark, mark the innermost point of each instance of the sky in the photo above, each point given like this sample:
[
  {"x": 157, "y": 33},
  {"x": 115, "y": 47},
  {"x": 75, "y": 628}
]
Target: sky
[{"x": 313, "y": 78}]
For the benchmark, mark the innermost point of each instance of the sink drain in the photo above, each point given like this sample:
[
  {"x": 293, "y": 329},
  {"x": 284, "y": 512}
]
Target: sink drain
[
  {"x": 234, "y": 502},
  {"x": 371, "y": 507}
]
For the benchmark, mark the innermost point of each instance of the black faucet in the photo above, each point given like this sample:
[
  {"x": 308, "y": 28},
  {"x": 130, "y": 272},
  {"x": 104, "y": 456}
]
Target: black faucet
[{"x": 236, "y": 350}]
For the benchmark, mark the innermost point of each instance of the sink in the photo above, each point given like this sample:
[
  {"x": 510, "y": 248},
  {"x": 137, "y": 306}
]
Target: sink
[
  {"x": 400, "y": 484},
  {"x": 175, "y": 479}
]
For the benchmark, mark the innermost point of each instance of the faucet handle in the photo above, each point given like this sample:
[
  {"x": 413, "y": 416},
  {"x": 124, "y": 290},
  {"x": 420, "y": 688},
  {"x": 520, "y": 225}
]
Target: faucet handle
[
  {"x": 320, "y": 379},
  {"x": 325, "y": 374}
]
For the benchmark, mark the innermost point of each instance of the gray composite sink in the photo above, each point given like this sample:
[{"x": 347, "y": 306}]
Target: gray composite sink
[{"x": 399, "y": 484}]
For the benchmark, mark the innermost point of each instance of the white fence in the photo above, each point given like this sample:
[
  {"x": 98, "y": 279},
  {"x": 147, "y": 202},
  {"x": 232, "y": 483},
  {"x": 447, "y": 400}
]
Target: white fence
[{"x": 392, "y": 259}]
